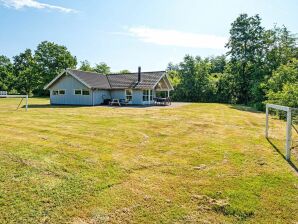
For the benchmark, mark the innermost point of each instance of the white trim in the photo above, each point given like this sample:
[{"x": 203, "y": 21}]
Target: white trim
[
  {"x": 74, "y": 92},
  {"x": 62, "y": 73},
  {"x": 164, "y": 75},
  {"x": 149, "y": 101},
  {"x": 61, "y": 90},
  {"x": 129, "y": 95},
  {"x": 86, "y": 90},
  {"x": 54, "y": 80},
  {"x": 56, "y": 90}
]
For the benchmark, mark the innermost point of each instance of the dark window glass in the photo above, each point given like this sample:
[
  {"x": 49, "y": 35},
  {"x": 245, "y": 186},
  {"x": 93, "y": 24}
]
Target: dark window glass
[{"x": 86, "y": 92}]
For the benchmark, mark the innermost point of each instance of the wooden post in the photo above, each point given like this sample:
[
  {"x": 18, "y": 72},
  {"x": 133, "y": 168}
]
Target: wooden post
[
  {"x": 267, "y": 123},
  {"x": 289, "y": 134},
  {"x": 168, "y": 93}
]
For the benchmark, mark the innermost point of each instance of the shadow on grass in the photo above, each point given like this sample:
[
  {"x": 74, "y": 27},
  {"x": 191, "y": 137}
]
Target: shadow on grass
[
  {"x": 51, "y": 106},
  {"x": 244, "y": 108},
  {"x": 78, "y": 106},
  {"x": 280, "y": 153}
]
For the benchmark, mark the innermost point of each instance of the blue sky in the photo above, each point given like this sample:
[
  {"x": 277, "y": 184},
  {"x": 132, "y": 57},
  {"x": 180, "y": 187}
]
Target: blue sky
[{"x": 126, "y": 34}]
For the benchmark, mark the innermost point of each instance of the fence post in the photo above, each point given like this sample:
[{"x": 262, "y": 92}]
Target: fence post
[
  {"x": 26, "y": 102},
  {"x": 267, "y": 123},
  {"x": 289, "y": 134}
]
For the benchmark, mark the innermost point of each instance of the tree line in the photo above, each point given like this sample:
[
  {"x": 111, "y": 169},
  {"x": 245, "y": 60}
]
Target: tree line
[
  {"x": 30, "y": 71},
  {"x": 261, "y": 65}
]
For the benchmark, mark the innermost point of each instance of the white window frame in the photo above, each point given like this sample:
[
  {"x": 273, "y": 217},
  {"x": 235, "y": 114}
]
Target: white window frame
[
  {"x": 126, "y": 95},
  {"x": 86, "y": 90},
  {"x": 74, "y": 91},
  {"x": 55, "y": 90},
  {"x": 149, "y": 95},
  {"x": 62, "y": 90}
]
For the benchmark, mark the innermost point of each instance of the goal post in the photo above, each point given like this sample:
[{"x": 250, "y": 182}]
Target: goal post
[
  {"x": 289, "y": 110},
  {"x": 3, "y": 94}
]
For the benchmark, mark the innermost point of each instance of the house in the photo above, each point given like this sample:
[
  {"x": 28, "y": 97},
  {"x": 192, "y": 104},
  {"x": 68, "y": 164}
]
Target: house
[{"x": 75, "y": 87}]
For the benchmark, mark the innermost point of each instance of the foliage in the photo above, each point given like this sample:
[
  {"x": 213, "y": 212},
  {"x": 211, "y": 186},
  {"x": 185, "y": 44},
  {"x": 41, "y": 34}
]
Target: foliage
[
  {"x": 246, "y": 51},
  {"x": 283, "y": 85},
  {"x": 26, "y": 80},
  {"x": 197, "y": 79},
  {"x": 254, "y": 53},
  {"x": 50, "y": 60},
  {"x": 102, "y": 68},
  {"x": 85, "y": 66},
  {"x": 124, "y": 71},
  {"x": 241, "y": 76},
  {"x": 6, "y": 71}
]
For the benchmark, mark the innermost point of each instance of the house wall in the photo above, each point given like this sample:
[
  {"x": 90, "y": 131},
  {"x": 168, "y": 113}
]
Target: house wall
[
  {"x": 99, "y": 95},
  {"x": 96, "y": 97},
  {"x": 137, "y": 95},
  {"x": 118, "y": 94},
  {"x": 69, "y": 84}
]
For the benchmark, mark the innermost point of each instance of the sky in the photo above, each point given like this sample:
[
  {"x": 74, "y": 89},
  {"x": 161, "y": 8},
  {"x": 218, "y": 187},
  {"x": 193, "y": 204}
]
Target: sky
[{"x": 131, "y": 33}]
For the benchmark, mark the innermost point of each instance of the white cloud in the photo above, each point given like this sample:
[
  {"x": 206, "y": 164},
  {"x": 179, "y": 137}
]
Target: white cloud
[
  {"x": 18, "y": 4},
  {"x": 177, "y": 38}
]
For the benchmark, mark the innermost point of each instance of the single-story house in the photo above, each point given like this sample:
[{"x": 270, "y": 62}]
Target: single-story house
[{"x": 75, "y": 87}]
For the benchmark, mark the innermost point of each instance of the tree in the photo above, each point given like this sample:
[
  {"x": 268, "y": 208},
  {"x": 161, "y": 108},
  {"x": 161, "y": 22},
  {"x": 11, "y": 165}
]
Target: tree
[
  {"x": 282, "y": 47},
  {"x": 6, "y": 75},
  {"x": 283, "y": 85},
  {"x": 246, "y": 49},
  {"x": 102, "y": 68},
  {"x": 26, "y": 80},
  {"x": 85, "y": 66},
  {"x": 125, "y": 71},
  {"x": 191, "y": 79},
  {"x": 218, "y": 63},
  {"x": 50, "y": 60}
]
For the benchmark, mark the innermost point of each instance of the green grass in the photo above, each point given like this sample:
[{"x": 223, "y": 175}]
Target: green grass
[{"x": 198, "y": 163}]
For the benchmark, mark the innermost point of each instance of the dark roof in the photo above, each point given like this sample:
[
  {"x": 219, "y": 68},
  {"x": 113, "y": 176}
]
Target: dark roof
[
  {"x": 118, "y": 81},
  {"x": 94, "y": 80},
  {"x": 130, "y": 80}
]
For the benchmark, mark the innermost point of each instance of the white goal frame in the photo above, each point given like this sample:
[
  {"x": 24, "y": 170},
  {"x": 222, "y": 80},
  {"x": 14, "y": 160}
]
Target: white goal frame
[
  {"x": 288, "y": 128},
  {"x": 3, "y": 94}
]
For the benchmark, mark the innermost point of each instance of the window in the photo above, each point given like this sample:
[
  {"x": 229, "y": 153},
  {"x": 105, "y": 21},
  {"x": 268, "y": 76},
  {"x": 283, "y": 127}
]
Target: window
[
  {"x": 61, "y": 92},
  {"x": 85, "y": 92},
  {"x": 55, "y": 92},
  {"x": 78, "y": 92},
  {"x": 147, "y": 94},
  {"x": 128, "y": 95}
]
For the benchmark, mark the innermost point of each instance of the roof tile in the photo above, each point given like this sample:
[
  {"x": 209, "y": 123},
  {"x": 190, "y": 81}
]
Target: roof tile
[{"x": 118, "y": 81}]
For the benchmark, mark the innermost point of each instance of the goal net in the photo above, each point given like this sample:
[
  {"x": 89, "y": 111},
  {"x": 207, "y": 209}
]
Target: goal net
[
  {"x": 291, "y": 130},
  {"x": 15, "y": 102}
]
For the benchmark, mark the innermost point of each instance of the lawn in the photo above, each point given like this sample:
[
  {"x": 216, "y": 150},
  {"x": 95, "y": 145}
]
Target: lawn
[{"x": 197, "y": 163}]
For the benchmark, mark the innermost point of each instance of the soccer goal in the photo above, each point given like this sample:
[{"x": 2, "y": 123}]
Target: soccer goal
[
  {"x": 289, "y": 111},
  {"x": 3, "y": 94}
]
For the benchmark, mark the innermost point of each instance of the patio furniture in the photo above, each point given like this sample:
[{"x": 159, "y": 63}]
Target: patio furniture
[
  {"x": 115, "y": 102},
  {"x": 162, "y": 101},
  {"x": 106, "y": 102},
  {"x": 124, "y": 102}
]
